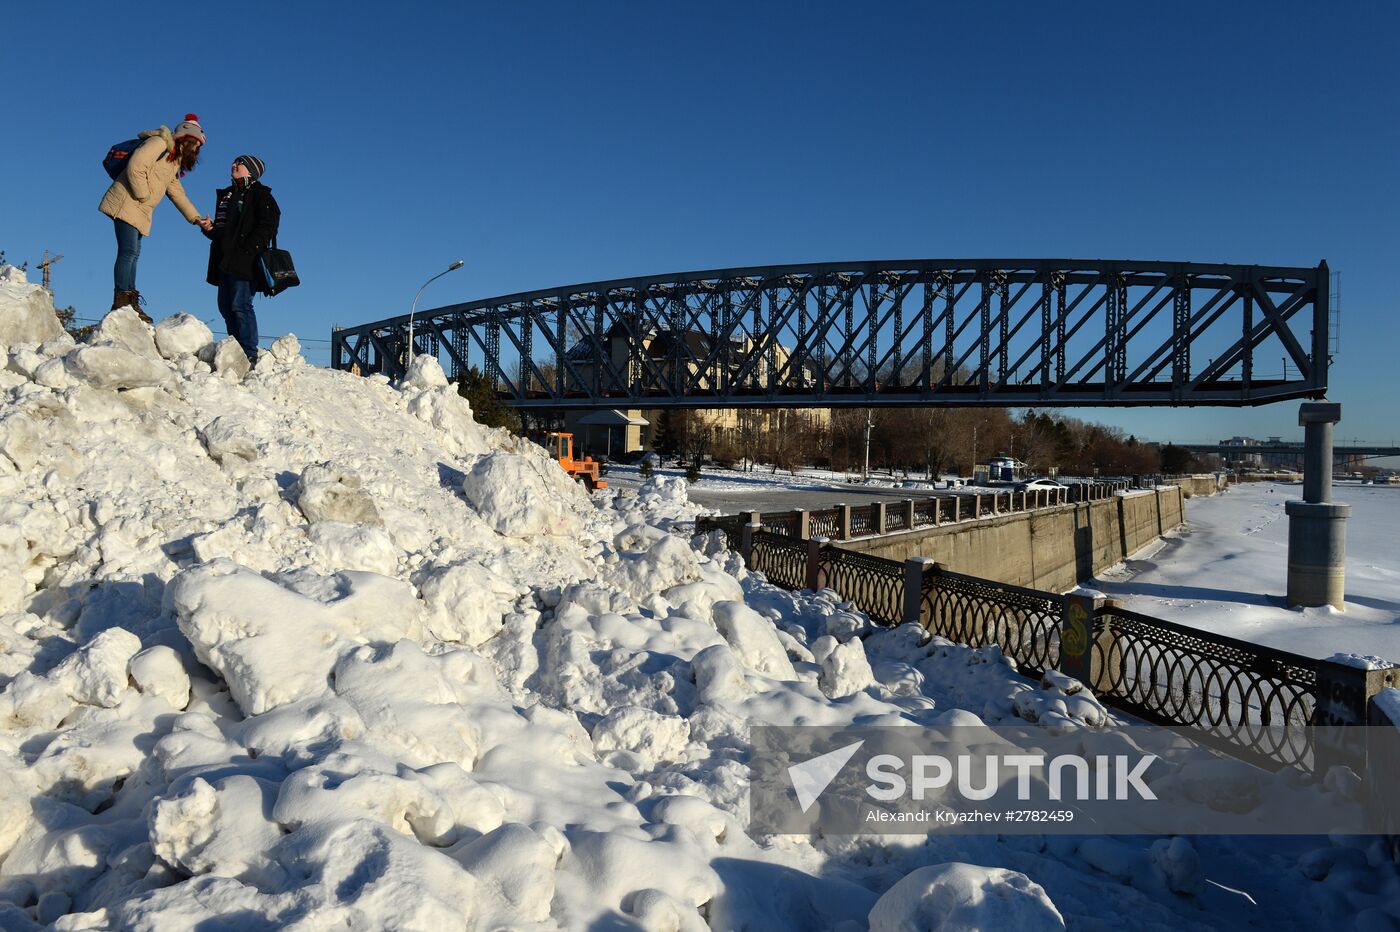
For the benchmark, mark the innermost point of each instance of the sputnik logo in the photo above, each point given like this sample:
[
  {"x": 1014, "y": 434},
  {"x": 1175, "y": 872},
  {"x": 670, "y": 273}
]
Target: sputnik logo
[{"x": 810, "y": 778}]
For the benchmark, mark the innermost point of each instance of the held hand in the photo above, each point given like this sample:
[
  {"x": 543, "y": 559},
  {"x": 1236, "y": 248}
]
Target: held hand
[{"x": 205, "y": 224}]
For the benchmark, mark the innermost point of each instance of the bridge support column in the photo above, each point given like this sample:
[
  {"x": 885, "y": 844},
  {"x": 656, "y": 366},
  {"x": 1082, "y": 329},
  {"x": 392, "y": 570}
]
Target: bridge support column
[{"x": 1316, "y": 525}]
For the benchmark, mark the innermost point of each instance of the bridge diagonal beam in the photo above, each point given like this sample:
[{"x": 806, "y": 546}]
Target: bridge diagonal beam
[
  {"x": 1242, "y": 349},
  {"x": 881, "y": 333}
]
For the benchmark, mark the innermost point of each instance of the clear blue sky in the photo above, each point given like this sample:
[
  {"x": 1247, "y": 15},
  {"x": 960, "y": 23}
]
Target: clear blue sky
[{"x": 551, "y": 143}]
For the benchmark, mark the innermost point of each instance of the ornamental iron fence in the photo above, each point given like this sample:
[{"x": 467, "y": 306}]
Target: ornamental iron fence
[
  {"x": 1253, "y": 702},
  {"x": 1024, "y": 623}
]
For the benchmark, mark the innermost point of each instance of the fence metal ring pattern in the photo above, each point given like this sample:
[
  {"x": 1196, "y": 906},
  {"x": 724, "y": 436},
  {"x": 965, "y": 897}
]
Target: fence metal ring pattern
[
  {"x": 1023, "y": 623},
  {"x": 1237, "y": 692},
  {"x": 782, "y": 559},
  {"x": 874, "y": 584}
]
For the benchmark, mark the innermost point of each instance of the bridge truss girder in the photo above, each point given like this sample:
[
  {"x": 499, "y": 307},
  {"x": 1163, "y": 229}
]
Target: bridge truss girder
[{"x": 1004, "y": 332}]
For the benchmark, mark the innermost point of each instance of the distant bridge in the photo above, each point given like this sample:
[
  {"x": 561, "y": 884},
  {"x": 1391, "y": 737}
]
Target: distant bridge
[
  {"x": 1339, "y": 450},
  {"x": 928, "y": 332}
]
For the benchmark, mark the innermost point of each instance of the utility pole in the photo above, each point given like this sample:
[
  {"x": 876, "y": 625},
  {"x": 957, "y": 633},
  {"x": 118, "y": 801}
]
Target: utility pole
[{"x": 869, "y": 424}]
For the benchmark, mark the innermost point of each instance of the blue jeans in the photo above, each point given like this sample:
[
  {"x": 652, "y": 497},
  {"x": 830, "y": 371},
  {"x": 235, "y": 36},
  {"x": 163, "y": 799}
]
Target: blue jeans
[
  {"x": 236, "y": 306},
  {"x": 128, "y": 251}
]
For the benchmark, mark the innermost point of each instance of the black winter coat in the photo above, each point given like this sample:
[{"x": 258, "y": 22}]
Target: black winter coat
[{"x": 236, "y": 242}]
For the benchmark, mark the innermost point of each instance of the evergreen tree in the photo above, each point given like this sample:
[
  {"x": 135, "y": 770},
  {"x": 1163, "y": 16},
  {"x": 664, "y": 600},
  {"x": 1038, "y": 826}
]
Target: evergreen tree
[{"x": 487, "y": 408}]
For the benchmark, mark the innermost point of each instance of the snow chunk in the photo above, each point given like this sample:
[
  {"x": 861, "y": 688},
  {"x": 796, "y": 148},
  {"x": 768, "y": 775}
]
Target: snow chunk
[
  {"x": 328, "y": 493},
  {"x": 227, "y": 439},
  {"x": 230, "y": 361},
  {"x": 964, "y": 896},
  {"x": 1178, "y": 865},
  {"x": 650, "y": 735},
  {"x": 222, "y": 828},
  {"x": 124, "y": 328},
  {"x": 521, "y": 496},
  {"x": 28, "y": 315},
  {"x": 157, "y": 671},
  {"x": 373, "y": 871},
  {"x": 115, "y": 367},
  {"x": 34, "y": 702},
  {"x": 467, "y": 603},
  {"x": 754, "y": 639},
  {"x": 273, "y": 645},
  {"x": 845, "y": 669},
  {"x": 96, "y": 673},
  {"x": 450, "y": 413},
  {"x": 19, "y": 440},
  {"x": 424, "y": 372},
  {"x": 519, "y": 863},
  {"x": 183, "y": 334},
  {"x": 286, "y": 350},
  {"x": 718, "y": 675},
  {"x": 341, "y": 546}
]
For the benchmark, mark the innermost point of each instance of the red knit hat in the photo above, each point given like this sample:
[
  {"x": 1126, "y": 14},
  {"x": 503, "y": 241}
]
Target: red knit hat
[{"x": 190, "y": 127}]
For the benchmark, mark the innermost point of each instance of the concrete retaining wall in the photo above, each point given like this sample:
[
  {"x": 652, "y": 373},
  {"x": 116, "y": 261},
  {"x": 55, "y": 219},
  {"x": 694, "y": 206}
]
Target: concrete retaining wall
[
  {"x": 1050, "y": 548},
  {"x": 1205, "y": 484}
]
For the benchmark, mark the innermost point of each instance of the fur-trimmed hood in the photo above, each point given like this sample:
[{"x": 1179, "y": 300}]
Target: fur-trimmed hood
[{"x": 164, "y": 133}]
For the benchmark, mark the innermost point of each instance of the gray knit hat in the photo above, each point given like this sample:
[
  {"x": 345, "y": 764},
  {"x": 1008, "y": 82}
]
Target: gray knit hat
[
  {"x": 254, "y": 165},
  {"x": 190, "y": 127}
]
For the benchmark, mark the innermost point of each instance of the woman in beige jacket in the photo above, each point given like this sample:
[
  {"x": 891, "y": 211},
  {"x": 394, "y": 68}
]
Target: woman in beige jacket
[{"x": 152, "y": 172}]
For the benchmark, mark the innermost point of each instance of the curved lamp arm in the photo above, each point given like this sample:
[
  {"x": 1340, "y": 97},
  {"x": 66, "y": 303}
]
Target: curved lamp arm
[{"x": 413, "y": 310}]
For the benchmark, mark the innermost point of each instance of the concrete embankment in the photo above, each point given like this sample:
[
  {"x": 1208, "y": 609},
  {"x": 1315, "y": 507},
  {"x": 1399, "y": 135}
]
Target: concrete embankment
[
  {"x": 1203, "y": 484},
  {"x": 1049, "y": 548}
]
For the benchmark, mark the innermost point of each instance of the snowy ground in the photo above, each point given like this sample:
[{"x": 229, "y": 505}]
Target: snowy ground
[
  {"x": 293, "y": 649},
  {"x": 1227, "y": 571},
  {"x": 728, "y": 491}
]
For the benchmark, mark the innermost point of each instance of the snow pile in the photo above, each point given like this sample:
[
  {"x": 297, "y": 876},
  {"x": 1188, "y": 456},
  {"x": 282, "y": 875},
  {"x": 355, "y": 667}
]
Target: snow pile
[
  {"x": 28, "y": 315},
  {"x": 964, "y": 896},
  {"x": 311, "y": 650}
]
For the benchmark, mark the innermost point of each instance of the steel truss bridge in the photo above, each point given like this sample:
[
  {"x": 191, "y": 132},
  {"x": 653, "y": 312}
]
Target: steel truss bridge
[
  {"x": 1339, "y": 450},
  {"x": 928, "y": 332}
]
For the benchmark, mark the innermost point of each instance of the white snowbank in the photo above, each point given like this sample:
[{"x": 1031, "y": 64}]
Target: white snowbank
[
  {"x": 317, "y": 651},
  {"x": 964, "y": 896}
]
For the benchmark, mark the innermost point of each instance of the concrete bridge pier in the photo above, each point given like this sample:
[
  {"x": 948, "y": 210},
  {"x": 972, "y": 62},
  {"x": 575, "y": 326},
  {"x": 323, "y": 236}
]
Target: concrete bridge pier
[{"x": 1317, "y": 545}]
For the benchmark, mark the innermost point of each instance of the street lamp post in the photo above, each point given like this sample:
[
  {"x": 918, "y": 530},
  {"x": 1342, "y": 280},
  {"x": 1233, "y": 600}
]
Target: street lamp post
[{"x": 451, "y": 268}]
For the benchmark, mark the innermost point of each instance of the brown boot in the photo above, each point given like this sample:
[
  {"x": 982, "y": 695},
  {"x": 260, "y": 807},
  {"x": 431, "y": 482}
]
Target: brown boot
[
  {"x": 131, "y": 299},
  {"x": 136, "y": 302}
]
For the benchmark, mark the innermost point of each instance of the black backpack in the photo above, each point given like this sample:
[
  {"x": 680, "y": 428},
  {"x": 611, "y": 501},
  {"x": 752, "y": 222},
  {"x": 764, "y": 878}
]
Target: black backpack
[{"x": 117, "y": 157}]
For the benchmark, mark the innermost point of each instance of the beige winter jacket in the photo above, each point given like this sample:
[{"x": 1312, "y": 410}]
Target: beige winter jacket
[{"x": 149, "y": 176}]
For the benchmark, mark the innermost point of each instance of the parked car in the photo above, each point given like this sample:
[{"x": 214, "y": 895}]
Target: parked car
[{"x": 1031, "y": 485}]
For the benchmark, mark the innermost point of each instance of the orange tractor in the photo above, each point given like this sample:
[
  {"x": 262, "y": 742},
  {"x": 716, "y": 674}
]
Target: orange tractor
[{"x": 585, "y": 469}]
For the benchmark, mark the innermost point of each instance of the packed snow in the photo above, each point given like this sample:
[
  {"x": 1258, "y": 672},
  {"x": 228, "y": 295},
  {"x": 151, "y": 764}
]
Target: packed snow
[
  {"x": 286, "y": 647},
  {"x": 1227, "y": 571}
]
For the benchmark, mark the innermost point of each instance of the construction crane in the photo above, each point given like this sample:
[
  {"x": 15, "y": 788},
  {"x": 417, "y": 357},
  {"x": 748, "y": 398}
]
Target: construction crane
[{"x": 46, "y": 264}]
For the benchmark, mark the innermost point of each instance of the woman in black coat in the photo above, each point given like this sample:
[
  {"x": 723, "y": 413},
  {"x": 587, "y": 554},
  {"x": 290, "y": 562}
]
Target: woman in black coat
[{"x": 245, "y": 223}]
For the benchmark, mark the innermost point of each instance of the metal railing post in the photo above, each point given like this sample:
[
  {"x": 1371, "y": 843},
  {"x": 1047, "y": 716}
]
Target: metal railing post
[
  {"x": 814, "y": 561},
  {"x": 916, "y": 569},
  {"x": 1077, "y": 637},
  {"x": 746, "y": 534}
]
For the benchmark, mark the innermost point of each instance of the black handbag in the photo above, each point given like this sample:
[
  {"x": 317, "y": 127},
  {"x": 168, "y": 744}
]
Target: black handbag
[{"x": 278, "y": 271}]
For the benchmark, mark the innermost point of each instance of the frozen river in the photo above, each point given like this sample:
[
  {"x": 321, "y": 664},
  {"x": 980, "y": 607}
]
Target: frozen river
[{"x": 1227, "y": 571}]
